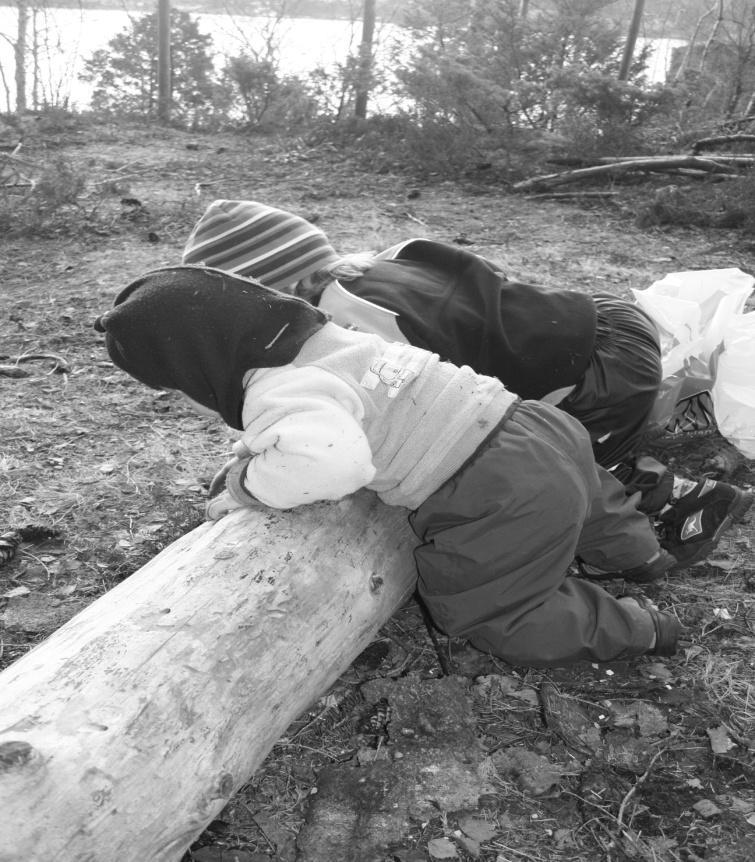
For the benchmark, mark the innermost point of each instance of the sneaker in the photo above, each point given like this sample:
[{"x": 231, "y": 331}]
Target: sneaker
[
  {"x": 643, "y": 574},
  {"x": 692, "y": 417},
  {"x": 692, "y": 526},
  {"x": 667, "y": 627}
]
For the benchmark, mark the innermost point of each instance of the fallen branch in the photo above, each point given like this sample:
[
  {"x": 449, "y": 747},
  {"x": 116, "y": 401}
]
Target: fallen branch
[
  {"x": 60, "y": 365},
  {"x": 715, "y": 141},
  {"x": 621, "y": 166},
  {"x": 11, "y": 165},
  {"x": 125, "y": 733}
]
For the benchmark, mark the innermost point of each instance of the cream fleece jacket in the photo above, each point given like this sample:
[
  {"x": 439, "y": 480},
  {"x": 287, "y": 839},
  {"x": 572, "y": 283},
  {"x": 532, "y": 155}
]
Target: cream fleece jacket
[{"x": 355, "y": 411}]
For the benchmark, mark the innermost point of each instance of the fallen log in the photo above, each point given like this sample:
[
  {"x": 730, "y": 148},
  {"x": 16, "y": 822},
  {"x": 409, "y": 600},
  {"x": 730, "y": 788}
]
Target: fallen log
[
  {"x": 717, "y": 140},
  {"x": 126, "y": 732},
  {"x": 712, "y": 165}
]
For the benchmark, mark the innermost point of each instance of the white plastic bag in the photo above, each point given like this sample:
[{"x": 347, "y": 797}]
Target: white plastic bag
[
  {"x": 693, "y": 311},
  {"x": 734, "y": 388}
]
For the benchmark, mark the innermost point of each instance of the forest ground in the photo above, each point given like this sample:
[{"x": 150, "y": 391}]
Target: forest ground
[{"x": 653, "y": 759}]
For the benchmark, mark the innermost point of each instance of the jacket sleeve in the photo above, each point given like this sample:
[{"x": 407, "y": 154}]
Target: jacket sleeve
[{"x": 303, "y": 429}]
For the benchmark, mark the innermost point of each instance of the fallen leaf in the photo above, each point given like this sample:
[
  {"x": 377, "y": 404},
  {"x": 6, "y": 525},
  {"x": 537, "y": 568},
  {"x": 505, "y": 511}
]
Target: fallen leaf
[
  {"x": 442, "y": 848},
  {"x": 726, "y": 565},
  {"x": 624, "y": 750},
  {"x": 751, "y": 819},
  {"x": 479, "y": 830},
  {"x": 742, "y": 806},
  {"x": 705, "y": 808},
  {"x": 534, "y": 773},
  {"x": 16, "y": 591},
  {"x": 650, "y": 720},
  {"x": 720, "y": 741},
  {"x": 656, "y": 670},
  {"x": 469, "y": 844}
]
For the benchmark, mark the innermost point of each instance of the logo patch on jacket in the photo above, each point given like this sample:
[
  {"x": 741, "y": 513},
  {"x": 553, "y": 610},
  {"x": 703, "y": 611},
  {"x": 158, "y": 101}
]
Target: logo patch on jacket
[
  {"x": 390, "y": 373},
  {"x": 692, "y": 527}
]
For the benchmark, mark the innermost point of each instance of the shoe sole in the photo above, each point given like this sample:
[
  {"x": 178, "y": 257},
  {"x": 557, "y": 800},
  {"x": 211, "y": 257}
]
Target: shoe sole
[{"x": 741, "y": 504}]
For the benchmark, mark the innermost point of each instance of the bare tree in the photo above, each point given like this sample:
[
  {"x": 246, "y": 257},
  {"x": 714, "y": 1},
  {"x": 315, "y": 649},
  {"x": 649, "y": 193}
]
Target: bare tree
[
  {"x": 629, "y": 45},
  {"x": 19, "y": 55},
  {"x": 365, "y": 59},
  {"x": 712, "y": 36},
  {"x": 164, "y": 70},
  {"x": 682, "y": 68}
]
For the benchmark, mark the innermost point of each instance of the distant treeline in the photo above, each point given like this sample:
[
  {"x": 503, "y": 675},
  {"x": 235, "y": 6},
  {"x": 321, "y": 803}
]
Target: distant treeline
[
  {"x": 348, "y": 9},
  {"x": 661, "y": 19}
]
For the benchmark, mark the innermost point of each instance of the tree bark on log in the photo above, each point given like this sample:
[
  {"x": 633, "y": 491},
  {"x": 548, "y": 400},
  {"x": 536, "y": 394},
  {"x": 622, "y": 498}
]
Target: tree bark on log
[
  {"x": 705, "y": 143},
  {"x": 126, "y": 732},
  {"x": 713, "y": 164}
]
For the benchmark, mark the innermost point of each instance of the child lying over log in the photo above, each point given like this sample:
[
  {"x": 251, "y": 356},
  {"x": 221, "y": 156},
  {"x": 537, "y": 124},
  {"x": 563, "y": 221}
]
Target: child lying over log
[
  {"x": 597, "y": 357},
  {"x": 503, "y": 493}
]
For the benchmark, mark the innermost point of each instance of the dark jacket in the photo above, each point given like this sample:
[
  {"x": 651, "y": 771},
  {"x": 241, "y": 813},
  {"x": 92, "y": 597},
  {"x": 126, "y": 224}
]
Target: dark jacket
[{"x": 459, "y": 305}]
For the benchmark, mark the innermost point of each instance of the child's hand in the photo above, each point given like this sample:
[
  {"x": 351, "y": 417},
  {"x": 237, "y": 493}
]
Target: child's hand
[
  {"x": 218, "y": 480},
  {"x": 221, "y": 505},
  {"x": 227, "y": 491}
]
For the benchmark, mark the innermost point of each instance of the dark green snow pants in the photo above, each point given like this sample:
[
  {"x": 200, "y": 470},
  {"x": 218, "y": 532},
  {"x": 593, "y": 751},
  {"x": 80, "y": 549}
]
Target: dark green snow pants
[{"x": 499, "y": 536}]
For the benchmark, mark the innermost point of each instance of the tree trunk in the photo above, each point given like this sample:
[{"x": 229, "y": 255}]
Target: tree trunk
[
  {"x": 164, "y": 69},
  {"x": 126, "y": 732},
  {"x": 629, "y": 45},
  {"x": 712, "y": 36},
  {"x": 687, "y": 56},
  {"x": 19, "y": 52},
  {"x": 365, "y": 60}
]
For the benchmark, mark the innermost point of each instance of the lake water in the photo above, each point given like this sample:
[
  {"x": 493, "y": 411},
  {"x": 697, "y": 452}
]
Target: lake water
[
  {"x": 68, "y": 36},
  {"x": 71, "y": 35}
]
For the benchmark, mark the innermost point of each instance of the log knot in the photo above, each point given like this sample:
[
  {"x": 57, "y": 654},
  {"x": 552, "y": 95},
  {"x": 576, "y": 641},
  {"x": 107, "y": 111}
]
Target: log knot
[
  {"x": 225, "y": 785},
  {"x": 16, "y": 755}
]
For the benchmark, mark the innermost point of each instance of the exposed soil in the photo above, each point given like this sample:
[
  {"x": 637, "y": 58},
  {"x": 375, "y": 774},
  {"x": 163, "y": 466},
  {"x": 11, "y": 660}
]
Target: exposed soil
[{"x": 649, "y": 760}]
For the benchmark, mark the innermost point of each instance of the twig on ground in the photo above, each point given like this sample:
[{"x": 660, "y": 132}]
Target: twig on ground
[
  {"x": 624, "y": 830},
  {"x": 61, "y": 365}
]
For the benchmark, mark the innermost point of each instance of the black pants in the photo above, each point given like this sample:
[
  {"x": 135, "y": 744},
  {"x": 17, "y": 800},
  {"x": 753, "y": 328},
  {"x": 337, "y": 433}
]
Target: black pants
[{"x": 614, "y": 398}]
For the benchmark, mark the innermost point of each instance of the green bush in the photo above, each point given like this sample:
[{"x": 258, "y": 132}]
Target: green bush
[
  {"x": 126, "y": 80},
  {"x": 605, "y": 117},
  {"x": 484, "y": 74},
  {"x": 726, "y": 203},
  {"x": 270, "y": 102},
  {"x": 45, "y": 208}
]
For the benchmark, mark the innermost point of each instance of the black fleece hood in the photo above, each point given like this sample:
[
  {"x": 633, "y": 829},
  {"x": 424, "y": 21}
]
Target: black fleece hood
[{"x": 200, "y": 330}]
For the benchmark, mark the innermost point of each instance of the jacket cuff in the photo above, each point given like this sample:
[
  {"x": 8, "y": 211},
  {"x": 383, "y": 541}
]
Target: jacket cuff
[{"x": 235, "y": 483}]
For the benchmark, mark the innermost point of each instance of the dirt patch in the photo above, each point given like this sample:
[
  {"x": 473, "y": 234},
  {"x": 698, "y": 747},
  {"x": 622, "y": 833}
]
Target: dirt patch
[{"x": 652, "y": 760}]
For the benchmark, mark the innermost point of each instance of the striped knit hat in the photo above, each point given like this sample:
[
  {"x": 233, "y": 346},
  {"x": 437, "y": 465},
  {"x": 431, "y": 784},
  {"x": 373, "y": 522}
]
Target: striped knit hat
[{"x": 248, "y": 238}]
